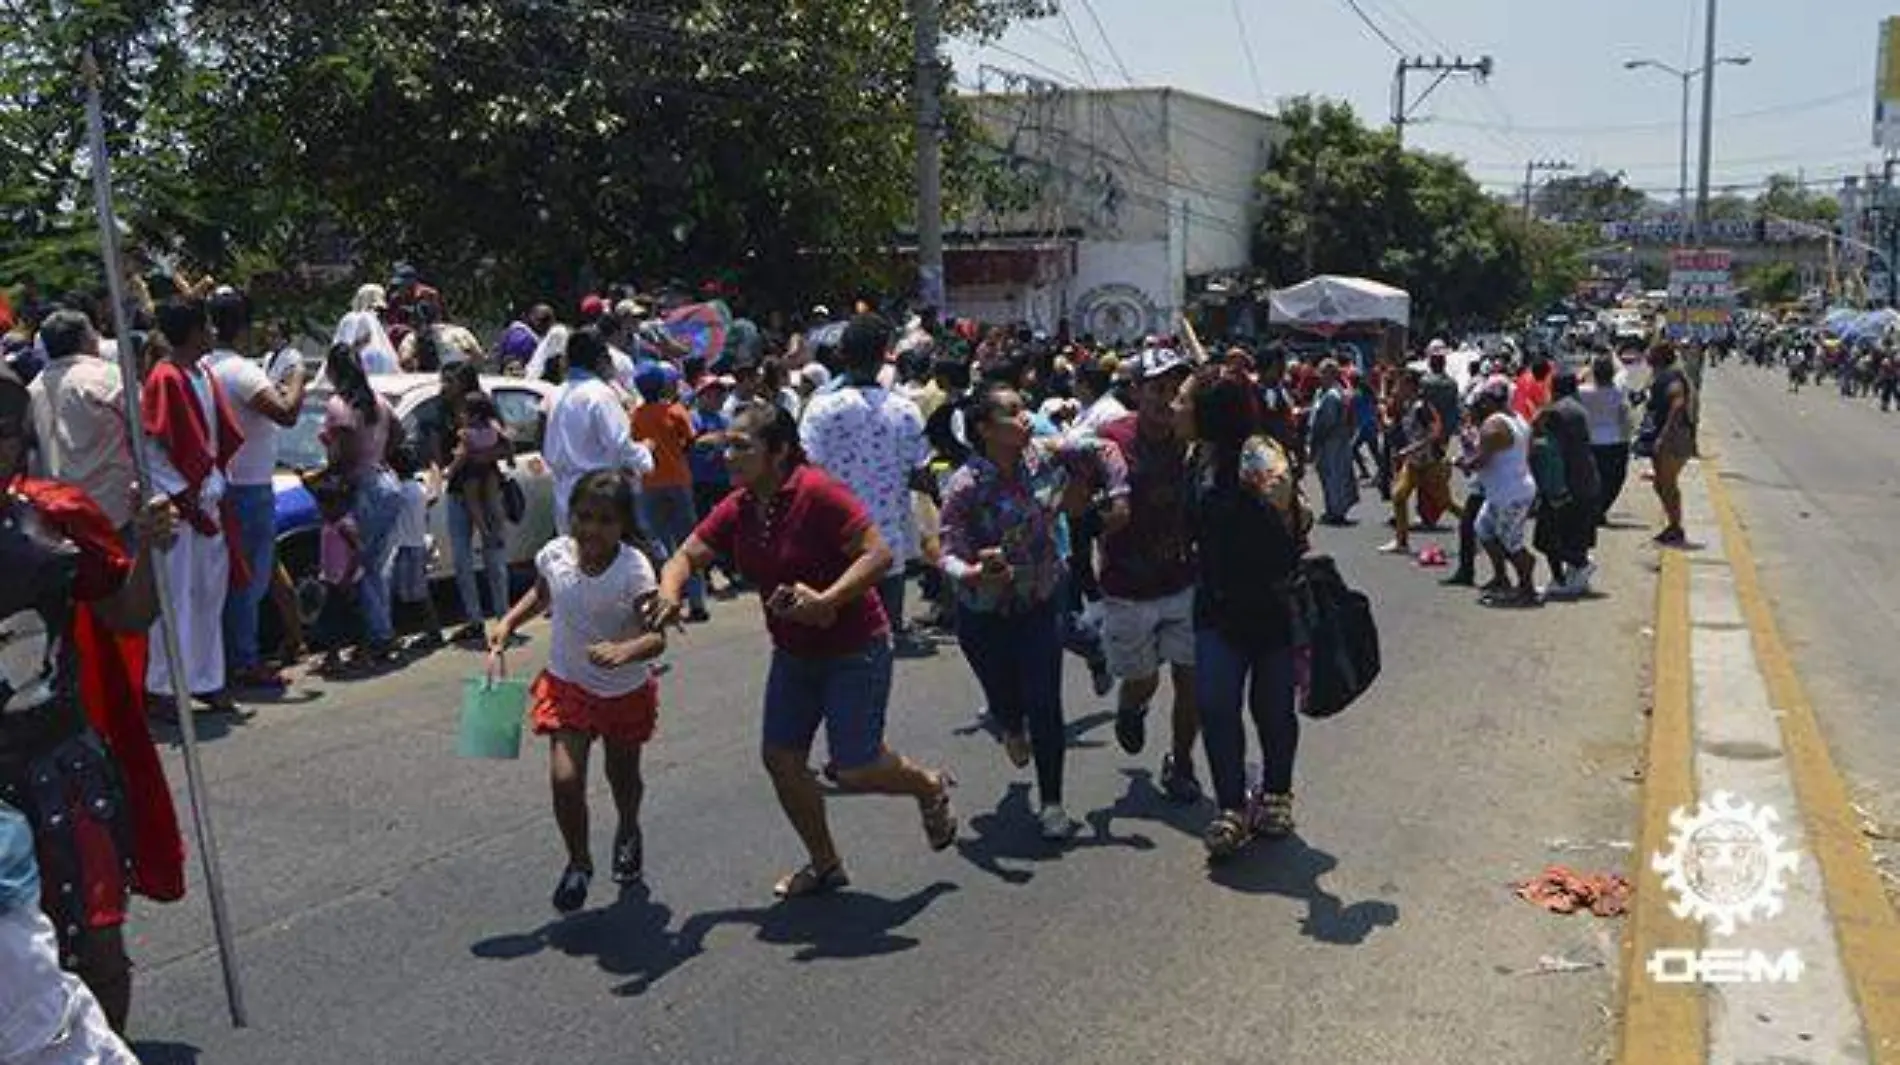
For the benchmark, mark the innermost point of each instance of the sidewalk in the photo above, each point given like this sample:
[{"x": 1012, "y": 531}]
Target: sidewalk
[{"x": 1730, "y": 716}]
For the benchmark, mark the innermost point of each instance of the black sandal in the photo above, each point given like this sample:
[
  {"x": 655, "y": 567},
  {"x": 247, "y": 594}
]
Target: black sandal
[{"x": 810, "y": 881}]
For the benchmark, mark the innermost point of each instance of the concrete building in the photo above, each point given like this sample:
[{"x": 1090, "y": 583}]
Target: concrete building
[{"x": 1104, "y": 204}]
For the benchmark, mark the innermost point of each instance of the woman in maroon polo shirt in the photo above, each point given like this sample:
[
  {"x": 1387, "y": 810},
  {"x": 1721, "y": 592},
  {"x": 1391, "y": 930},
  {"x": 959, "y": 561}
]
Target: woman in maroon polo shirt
[{"x": 813, "y": 553}]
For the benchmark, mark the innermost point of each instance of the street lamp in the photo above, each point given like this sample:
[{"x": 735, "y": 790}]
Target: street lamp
[{"x": 1686, "y": 76}]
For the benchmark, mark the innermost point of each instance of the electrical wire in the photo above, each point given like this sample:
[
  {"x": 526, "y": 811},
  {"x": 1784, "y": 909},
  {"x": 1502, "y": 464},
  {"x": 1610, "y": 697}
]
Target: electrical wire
[
  {"x": 1374, "y": 27},
  {"x": 1246, "y": 49}
]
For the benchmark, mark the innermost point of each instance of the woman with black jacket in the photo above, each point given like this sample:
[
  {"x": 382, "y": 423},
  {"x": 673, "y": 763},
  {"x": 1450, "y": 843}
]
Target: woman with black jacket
[{"x": 1250, "y": 531}]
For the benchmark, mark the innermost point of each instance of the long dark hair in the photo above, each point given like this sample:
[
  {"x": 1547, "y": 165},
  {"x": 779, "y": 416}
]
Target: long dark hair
[
  {"x": 613, "y": 490},
  {"x": 345, "y": 370},
  {"x": 1226, "y": 414}
]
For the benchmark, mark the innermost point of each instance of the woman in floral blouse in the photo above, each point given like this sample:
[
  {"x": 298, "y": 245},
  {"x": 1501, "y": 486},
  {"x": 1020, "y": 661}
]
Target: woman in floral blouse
[{"x": 1000, "y": 513}]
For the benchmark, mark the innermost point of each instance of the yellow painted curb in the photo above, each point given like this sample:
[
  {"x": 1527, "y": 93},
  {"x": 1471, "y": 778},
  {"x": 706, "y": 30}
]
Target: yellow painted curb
[
  {"x": 1663, "y": 1024},
  {"x": 1864, "y": 921}
]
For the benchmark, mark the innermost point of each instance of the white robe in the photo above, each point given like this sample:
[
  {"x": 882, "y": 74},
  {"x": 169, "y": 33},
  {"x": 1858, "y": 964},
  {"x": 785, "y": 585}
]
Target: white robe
[{"x": 197, "y": 572}]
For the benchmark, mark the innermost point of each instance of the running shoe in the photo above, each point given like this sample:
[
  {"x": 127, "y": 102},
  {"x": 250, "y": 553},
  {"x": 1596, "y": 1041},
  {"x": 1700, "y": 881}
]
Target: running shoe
[
  {"x": 1177, "y": 781},
  {"x": 628, "y": 858},
  {"x": 571, "y": 893},
  {"x": 1056, "y": 823}
]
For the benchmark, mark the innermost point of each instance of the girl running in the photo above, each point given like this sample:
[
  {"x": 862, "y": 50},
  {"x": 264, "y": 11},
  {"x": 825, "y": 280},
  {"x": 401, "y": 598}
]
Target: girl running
[{"x": 596, "y": 582}]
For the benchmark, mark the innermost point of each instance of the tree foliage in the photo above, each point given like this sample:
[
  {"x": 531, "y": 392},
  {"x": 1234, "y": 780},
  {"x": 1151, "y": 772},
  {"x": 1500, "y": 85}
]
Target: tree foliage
[
  {"x": 1344, "y": 199},
  {"x": 1598, "y": 196},
  {"x": 511, "y": 148}
]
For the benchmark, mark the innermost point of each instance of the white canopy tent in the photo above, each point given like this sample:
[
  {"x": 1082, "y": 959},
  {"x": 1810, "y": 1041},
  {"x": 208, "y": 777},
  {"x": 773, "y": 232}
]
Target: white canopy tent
[{"x": 1328, "y": 302}]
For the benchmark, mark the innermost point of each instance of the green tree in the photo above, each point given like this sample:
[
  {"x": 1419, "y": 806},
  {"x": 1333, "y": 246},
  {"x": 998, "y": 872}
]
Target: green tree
[
  {"x": 1772, "y": 283},
  {"x": 511, "y": 148},
  {"x": 1786, "y": 197},
  {"x": 1594, "y": 197},
  {"x": 1341, "y": 198}
]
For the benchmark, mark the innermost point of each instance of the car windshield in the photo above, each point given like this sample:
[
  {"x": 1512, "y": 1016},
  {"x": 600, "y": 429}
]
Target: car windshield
[{"x": 298, "y": 447}]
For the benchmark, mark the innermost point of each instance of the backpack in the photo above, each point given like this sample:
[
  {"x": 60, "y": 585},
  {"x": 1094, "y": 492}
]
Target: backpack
[{"x": 1341, "y": 635}]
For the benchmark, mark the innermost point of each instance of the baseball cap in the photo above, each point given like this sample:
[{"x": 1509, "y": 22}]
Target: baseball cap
[
  {"x": 593, "y": 307},
  {"x": 1158, "y": 362}
]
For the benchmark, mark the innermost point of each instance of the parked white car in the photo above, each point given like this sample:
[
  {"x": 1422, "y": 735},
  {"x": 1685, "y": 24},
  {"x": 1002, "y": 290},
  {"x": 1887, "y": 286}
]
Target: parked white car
[{"x": 417, "y": 401}]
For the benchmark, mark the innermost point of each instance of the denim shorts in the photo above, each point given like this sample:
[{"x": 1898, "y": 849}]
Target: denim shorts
[{"x": 848, "y": 694}]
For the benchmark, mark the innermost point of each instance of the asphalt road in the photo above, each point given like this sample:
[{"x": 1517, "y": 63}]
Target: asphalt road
[
  {"x": 1816, "y": 479},
  {"x": 392, "y": 900}
]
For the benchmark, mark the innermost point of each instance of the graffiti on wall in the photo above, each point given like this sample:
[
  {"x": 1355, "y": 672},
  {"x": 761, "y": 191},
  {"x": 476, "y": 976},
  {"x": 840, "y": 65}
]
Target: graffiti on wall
[{"x": 1117, "y": 313}]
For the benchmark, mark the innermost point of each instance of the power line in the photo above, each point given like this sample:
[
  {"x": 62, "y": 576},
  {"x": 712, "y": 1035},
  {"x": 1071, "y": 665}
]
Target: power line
[
  {"x": 1246, "y": 48},
  {"x": 1374, "y": 27},
  {"x": 1794, "y": 107}
]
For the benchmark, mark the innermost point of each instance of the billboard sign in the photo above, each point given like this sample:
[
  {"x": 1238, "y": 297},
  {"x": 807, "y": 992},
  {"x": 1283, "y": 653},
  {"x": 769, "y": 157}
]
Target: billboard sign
[
  {"x": 1701, "y": 294},
  {"x": 1887, "y": 87}
]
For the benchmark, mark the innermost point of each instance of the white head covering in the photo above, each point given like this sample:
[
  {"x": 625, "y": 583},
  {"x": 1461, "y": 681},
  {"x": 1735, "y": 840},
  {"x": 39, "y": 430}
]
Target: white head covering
[
  {"x": 370, "y": 298},
  {"x": 815, "y": 375},
  {"x": 364, "y": 331},
  {"x": 555, "y": 343}
]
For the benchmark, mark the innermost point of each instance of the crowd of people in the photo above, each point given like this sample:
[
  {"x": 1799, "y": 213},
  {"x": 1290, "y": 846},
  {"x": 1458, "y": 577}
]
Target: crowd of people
[{"x": 1140, "y": 509}]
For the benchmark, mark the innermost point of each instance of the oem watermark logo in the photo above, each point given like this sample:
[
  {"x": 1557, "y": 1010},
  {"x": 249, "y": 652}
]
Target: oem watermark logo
[{"x": 1725, "y": 867}]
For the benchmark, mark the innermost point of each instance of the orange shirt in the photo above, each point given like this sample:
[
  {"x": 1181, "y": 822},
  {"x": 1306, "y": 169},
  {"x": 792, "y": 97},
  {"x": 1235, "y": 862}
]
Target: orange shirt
[{"x": 667, "y": 430}]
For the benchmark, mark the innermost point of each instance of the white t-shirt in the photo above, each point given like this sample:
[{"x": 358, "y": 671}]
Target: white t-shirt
[
  {"x": 1507, "y": 477},
  {"x": 588, "y": 610},
  {"x": 242, "y": 381},
  {"x": 279, "y": 366},
  {"x": 412, "y": 521}
]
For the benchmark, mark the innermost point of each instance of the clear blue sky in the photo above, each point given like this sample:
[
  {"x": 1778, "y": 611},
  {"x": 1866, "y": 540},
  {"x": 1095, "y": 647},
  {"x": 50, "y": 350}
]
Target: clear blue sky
[{"x": 1805, "y": 103}]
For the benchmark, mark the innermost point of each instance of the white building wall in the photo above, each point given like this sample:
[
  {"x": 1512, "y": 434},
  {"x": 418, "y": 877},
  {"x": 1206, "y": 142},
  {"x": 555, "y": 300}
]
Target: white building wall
[{"x": 1158, "y": 185}]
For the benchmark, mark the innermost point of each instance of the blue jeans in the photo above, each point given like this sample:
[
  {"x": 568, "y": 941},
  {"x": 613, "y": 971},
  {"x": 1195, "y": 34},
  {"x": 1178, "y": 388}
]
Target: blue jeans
[
  {"x": 848, "y": 694},
  {"x": 494, "y": 565},
  {"x": 256, "y": 508},
  {"x": 890, "y": 592},
  {"x": 378, "y": 505},
  {"x": 1017, "y": 659},
  {"x": 669, "y": 517},
  {"x": 1221, "y": 671}
]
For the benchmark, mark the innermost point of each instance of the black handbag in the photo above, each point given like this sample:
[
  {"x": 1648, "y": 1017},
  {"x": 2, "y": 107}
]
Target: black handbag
[
  {"x": 1342, "y": 636},
  {"x": 514, "y": 502}
]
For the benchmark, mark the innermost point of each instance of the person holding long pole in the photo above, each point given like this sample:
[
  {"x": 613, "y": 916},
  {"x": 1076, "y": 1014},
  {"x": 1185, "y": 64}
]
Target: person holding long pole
[{"x": 73, "y": 585}]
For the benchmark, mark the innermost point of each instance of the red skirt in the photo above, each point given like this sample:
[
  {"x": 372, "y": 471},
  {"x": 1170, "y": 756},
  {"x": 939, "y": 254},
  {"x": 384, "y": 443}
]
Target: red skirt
[{"x": 558, "y": 706}]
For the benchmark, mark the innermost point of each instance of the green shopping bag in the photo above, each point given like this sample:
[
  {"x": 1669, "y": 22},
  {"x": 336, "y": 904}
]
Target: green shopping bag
[{"x": 492, "y": 711}]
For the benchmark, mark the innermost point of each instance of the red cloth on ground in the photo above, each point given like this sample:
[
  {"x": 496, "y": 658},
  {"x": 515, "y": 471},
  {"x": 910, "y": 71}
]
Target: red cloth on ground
[
  {"x": 111, "y": 687},
  {"x": 172, "y": 415}
]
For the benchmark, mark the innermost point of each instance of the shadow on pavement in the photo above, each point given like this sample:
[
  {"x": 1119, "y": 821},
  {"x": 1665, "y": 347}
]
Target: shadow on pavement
[
  {"x": 1292, "y": 868},
  {"x": 1143, "y": 801},
  {"x": 1077, "y": 730},
  {"x": 631, "y": 937},
  {"x": 1012, "y": 834},
  {"x": 151, "y": 1053}
]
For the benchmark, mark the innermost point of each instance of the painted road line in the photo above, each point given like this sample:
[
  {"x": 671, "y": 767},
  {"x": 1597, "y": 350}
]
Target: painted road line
[
  {"x": 1739, "y": 751},
  {"x": 1866, "y": 929},
  {"x": 1663, "y": 1023}
]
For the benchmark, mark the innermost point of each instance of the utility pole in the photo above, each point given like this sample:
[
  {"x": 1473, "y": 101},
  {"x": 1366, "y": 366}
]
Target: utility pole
[
  {"x": 1530, "y": 171},
  {"x": 1402, "y": 108},
  {"x": 1708, "y": 121},
  {"x": 929, "y": 155},
  {"x": 1893, "y": 232}
]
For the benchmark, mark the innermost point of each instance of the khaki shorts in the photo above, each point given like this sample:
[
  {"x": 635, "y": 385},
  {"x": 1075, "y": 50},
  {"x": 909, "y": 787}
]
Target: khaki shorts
[{"x": 1138, "y": 635}]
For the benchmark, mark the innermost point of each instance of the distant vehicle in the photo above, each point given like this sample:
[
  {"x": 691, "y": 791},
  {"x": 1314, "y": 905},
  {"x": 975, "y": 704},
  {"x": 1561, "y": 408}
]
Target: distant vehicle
[{"x": 417, "y": 401}]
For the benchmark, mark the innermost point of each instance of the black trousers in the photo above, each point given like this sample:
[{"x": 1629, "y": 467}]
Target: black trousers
[{"x": 1613, "y": 468}]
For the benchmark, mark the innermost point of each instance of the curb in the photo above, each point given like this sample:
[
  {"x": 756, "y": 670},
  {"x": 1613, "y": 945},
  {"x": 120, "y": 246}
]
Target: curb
[
  {"x": 1865, "y": 927},
  {"x": 1669, "y": 1024},
  {"x": 1663, "y": 1024}
]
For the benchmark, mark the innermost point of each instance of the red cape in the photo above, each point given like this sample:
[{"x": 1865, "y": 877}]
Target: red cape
[
  {"x": 112, "y": 689},
  {"x": 172, "y": 416}
]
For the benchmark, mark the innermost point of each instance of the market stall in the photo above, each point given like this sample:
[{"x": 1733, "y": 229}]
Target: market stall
[{"x": 1371, "y": 315}]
